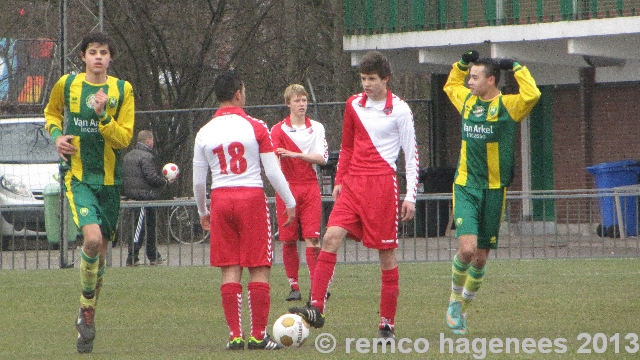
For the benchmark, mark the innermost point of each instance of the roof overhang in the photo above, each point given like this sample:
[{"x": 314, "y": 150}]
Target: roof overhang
[{"x": 553, "y": 51}]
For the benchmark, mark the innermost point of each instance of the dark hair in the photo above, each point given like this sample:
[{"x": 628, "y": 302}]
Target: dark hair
[
  {"x": 226, "y": 85},
  {"x": 374, "y": 62},
  {"x": 491, "y": 68},
  {"x": 100, "y": 38}
]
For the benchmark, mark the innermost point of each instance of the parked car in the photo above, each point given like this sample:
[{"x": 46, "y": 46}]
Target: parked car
[{"x": 28, "y": 162}]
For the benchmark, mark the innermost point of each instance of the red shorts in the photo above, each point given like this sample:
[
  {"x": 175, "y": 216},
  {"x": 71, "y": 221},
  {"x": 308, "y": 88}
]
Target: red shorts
[
  {"x": 306, "y": 224},
  {"x": 368, "y": 208},
  {"x": 240, "y": 228}
]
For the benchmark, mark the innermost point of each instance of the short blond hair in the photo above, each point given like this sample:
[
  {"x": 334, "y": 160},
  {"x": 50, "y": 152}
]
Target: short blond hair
[{"x": 292, "y": 90}]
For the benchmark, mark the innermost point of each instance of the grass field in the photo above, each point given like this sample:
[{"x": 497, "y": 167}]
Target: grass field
[{"x": 175, "y": 313}]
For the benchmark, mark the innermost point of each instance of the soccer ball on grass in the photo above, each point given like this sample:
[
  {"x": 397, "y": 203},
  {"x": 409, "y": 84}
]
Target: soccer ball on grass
[
  {"x": 290, "y": 330},
  {"x": 170, "y": 171}
]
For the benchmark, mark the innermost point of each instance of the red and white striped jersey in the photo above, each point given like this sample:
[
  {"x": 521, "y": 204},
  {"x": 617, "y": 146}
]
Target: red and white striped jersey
[
  {"x": 231, "y": 144},
  {"x": 308, "y": 140},
  {"x": 373, "y": 133}
]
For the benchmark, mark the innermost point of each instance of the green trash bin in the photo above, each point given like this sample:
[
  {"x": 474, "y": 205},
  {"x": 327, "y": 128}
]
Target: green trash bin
[{"x": 51, "y": 194}]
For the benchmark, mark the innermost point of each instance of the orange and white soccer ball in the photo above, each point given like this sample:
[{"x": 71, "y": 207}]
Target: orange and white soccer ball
[
  {"x": 290, "y": 330},
  {"x": 170, "y": 171}
]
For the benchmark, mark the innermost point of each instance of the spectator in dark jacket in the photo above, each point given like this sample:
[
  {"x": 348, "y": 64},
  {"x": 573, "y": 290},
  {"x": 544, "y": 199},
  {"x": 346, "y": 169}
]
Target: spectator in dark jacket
[{"x": 143, "y": 182}]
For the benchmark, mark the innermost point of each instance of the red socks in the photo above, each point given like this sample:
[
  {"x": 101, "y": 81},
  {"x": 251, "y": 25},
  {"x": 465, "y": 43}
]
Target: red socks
[
  {"x": 291, "y": 263},
  {"x": 259, "y": 303},
  {"x": 232, "y": 305},
  {"x": 322, "y": 276},
  {"x": 312, "y": 260},
  {"x": 389, "y": 292}
]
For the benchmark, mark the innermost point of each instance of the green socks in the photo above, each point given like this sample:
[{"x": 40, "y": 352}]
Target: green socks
[{"x": 88, "y": 279}]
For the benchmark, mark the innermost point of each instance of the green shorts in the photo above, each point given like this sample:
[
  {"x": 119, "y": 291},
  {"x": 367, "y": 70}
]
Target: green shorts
[
  {"x": 94, "y": 204},
  {"x": 479, "y": 212}
]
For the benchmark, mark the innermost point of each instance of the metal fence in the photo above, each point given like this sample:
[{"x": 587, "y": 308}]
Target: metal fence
[
  {"x": 541, "y": 225},
  {"x": 366, "y": 17}
]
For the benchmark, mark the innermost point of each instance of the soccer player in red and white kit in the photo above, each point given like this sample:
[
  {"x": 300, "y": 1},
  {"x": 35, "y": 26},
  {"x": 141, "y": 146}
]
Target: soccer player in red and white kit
[
  {"x": 376, "y": 125},
  {"x": 300, "y": 145},
  {"x": 233, "y": 145}
]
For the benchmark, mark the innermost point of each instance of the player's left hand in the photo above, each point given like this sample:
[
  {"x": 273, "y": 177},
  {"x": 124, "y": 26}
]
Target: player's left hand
[
  {"x": 407, "y": 211},
  {"x": 506, "y": 64},
  {"x": 99, "y": 102},
  {"x": 286, "y": 153},
  {"x": 291, "y": 214}
]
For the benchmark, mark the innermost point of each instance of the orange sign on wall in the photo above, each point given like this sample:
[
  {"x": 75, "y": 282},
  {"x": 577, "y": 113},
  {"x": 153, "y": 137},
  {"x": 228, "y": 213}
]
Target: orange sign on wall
[{"x": 31, "y": 90}]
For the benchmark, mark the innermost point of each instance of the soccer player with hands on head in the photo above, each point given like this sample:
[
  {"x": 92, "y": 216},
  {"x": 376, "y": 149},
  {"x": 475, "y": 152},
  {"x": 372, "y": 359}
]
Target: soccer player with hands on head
[
  {"x": 233, "y": 146},
  {"x": 485, "y": 167},
  {"x": 300, "y": 145},
  {"x": 377, "y": 124}
]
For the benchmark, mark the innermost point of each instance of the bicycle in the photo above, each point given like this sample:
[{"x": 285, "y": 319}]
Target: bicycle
[{"x": 184, "y": 225}]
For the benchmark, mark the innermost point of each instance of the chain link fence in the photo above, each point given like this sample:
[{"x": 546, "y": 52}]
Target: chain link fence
[{"x": 546, "y": 225}]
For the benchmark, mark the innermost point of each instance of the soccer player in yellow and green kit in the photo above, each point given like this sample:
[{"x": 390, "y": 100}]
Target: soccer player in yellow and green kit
[
  {"x": 99, "y": 124},
  {"x": 485, "y": 167}
]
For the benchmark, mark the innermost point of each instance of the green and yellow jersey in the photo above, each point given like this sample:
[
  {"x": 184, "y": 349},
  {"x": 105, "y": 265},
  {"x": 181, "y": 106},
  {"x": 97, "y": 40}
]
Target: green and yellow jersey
[
  {"x": 99, "y": 139},
  {"x": 489, "y": 128}
]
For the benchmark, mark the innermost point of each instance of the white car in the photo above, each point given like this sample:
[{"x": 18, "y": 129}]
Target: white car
[{"x": 28, "y": 163}]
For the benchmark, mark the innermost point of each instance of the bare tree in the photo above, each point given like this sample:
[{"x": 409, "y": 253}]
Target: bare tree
[{"x": 172, "y": 50}]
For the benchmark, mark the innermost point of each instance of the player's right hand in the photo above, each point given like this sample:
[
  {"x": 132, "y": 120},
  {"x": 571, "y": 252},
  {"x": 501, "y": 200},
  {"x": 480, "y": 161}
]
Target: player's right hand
[
  {"x": 470, "y": 56},
  {"x": 205, "y": 221},
  {"x": 291, "y": 214},
  {"x": 64, "y": 146}
]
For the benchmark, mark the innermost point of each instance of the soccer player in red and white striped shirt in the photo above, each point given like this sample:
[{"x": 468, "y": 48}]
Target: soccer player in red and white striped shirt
[
  {"x": 300, "y": 145},
  {"x": 232, "y": 146},
  {"x": 377, "y": 124}
]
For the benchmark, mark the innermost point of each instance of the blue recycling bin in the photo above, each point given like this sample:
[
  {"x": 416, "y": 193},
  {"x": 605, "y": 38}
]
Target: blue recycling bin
[{"x": 614, "y": 174}]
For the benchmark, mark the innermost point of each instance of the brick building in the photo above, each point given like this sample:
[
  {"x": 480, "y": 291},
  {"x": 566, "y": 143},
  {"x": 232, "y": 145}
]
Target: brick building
[{"x": 583, "y": 55}]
